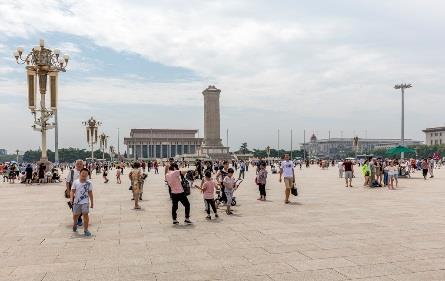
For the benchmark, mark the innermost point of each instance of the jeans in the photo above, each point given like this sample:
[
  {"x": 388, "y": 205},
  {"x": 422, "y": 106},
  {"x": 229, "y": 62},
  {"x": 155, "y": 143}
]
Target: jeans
[
  {"x": 262, "y": 188},
  {"x": 385, "y": 178},
  {"x": 241, "y": 174},
  {"x": 210, "y": 203},
  {"x": 180, "y": 197}
]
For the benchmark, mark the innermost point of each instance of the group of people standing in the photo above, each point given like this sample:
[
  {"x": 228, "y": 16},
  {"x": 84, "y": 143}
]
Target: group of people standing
[{"x": 378, "y": 172}]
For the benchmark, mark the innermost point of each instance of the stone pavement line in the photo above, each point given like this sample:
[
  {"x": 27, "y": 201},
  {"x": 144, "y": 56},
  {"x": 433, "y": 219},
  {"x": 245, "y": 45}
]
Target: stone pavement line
[{"x": 333, "y": 233}]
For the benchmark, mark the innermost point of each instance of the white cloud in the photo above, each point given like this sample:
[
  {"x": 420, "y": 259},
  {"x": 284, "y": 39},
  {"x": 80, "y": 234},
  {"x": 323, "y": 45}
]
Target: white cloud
[{"x": 302, "y": 58}]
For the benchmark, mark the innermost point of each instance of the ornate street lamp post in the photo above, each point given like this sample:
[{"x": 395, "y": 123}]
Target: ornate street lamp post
[
  {"x": 42, "y": 62},
  {"x": 92, "y": 126},
  {"x": 402, "y": 136},
  {"x": 111, "y": 153},
  {"x": 103, "y": 143}
]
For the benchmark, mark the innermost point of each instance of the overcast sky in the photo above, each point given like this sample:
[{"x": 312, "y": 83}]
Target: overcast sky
[{"x": 314, "y": 65}]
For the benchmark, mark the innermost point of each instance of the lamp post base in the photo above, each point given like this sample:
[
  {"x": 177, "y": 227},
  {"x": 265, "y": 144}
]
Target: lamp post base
[{"x": 45, "y": 162}]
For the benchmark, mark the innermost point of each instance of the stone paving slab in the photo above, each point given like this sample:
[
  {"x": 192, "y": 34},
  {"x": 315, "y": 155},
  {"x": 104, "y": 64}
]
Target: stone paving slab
[{"x": 328, "y": 233}]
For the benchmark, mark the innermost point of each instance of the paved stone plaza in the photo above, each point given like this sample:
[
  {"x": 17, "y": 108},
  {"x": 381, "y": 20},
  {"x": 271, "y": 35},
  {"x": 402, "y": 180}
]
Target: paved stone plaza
[{"x": 330, "y": 233}]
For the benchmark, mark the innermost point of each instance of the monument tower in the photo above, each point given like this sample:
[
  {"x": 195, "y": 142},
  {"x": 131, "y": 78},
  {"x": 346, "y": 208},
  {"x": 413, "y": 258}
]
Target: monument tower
[{"x": 212, "y": 146}]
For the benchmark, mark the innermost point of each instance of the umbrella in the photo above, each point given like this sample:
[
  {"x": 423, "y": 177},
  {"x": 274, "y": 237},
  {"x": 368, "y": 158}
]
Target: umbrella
[{"x": 399, "y": 149}]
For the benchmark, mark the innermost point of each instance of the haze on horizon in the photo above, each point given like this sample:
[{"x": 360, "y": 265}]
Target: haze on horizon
[{"x": 315, "y": 65}]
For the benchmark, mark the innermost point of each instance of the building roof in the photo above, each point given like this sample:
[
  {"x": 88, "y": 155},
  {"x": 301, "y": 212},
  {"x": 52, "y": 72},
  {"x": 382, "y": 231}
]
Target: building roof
[
  {"x": 362, "y": 140},
  {"x": 313, "y": 137},
  {"x": 434, "y": 129},
  {"x": 163, "y": 130}
]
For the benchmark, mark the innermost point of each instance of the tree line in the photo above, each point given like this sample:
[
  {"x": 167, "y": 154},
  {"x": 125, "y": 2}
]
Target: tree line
[{"x": 65, "y": 155}]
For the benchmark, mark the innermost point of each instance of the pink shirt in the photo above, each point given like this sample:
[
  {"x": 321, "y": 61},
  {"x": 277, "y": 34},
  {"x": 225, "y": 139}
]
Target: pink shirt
[
  {"x": 209, "y": 189},
  {"x": 174, "y": 181}
]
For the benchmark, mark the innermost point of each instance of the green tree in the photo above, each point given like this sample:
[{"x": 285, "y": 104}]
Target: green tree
[{"x": 243, "y": 149}]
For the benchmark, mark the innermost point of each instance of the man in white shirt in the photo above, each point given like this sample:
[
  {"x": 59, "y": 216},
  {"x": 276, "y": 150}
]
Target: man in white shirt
[
  {"x": 73, "y": 175},
  {"x": 288, "y": 173}
]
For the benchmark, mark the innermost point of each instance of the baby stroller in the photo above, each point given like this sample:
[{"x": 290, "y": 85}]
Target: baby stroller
[{"x": 222, "y": 199}]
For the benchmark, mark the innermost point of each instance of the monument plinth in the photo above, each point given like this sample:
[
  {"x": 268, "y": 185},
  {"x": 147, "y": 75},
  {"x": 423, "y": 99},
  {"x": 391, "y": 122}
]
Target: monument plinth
[{"x": 212, "y": 146}]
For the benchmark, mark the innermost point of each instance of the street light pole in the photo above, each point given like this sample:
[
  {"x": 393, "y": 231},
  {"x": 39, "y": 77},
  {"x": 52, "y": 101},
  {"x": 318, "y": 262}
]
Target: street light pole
[
  {"x": 42, "y": 63},
  {"x": 291, "y": 145},
  {"x": 304, "y": 145},
  {"x": 92, "y": 125},
  {"x": 103, "y": 143},
  {"x": 56, "y": 138},
  {"x": 402, "y": 87}
]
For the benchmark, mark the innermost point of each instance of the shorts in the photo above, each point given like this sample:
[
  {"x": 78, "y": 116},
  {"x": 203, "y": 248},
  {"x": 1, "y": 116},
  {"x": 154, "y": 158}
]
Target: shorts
[
  {"x": 289, "y": 182},
  {"x": 229, "y": 195},
  {"x": 348, "y": 175},
  {"x": 80, "y": 208}
]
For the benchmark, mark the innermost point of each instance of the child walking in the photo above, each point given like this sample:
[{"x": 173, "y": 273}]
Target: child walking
[
  {"x": 81, "y": 193},
  {"x": 208, "y": 190}
]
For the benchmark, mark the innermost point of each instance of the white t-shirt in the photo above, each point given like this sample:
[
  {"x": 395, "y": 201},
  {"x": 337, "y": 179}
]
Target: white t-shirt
[
  {"x": 76, "y": 175},
  {"x": 81, "y": 190},
  {"x": 288, "y": 169}
]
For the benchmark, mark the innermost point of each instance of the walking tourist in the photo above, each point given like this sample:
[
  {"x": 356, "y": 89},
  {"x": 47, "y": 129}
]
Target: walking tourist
[
  {"x": 41, "y": 172},
  {"x": 136, "y": 180},
  {"x": 28, "y": 172},
  {"x": 366, "y": 172},
  {"x": 105, "y": 174},
  {"x": 379, "y": 171},
  {"x": 425, "y": 166},
  {"x": 118, "y": 176},
  {"x": 431, "y": 167},
  {"x": 288, "y": 173},
  {"x": 242, "y": 169},
  {"x": 261, "y": 180},
  {"x": 173, "y": 178},
  {"x": 81, "y": 194},
  {"x": 341, "y": 169},
  {"x": 220, "y": 175},
  {"x": 349, "y": 172},
  {"x": 73, "y": 175},
  {"x": 385, "y": 166},
  {"x": 170, "y": 162},
  {"x": 392, "y": 172},
  {"x": 156, "y": 167}
]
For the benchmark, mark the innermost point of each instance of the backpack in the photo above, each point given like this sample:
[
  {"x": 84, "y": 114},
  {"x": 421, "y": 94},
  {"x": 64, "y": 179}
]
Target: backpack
[
  {"x": 185, "y": 185},
  {"x": 67, "y": 191}
]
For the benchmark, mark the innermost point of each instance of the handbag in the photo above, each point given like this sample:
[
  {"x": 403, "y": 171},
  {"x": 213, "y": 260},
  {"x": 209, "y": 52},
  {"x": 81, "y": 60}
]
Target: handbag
[{"x": 294, "y": 190}]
